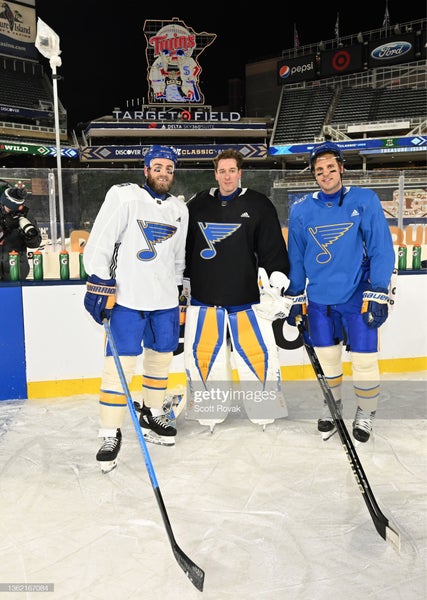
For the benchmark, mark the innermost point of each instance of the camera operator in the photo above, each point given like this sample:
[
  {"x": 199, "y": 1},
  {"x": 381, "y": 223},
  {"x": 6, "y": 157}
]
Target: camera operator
[{"x": 17, "y": 232}]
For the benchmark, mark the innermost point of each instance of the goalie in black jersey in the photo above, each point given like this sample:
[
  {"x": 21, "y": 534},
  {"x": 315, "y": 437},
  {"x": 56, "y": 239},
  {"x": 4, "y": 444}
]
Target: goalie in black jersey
[{"x": 236, "y": 273}]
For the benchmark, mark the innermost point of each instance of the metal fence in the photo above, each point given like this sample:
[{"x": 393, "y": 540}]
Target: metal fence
[{"x": 403, "y": 193}]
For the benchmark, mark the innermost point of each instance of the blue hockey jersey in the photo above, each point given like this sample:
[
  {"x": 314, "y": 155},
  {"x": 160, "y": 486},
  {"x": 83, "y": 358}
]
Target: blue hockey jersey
[{"x": 331, "y": 247}]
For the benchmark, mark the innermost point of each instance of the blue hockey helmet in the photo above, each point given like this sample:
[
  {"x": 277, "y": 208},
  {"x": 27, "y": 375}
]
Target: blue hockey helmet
[
  {"x": 326, "y": 148},
  {"x": 160, "y": 152}
]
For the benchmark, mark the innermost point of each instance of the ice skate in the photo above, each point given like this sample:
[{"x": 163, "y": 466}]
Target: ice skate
[
  {"x": 326, "y": 424},
  {"x": 159, "y": 429},
  {"x": 107, "y": 454},
  {"x": 362, "y": 424}
]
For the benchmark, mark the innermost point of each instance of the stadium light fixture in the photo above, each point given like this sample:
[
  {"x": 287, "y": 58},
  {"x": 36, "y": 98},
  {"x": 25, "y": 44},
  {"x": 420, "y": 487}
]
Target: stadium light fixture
[{"x": 47, "y": 43}]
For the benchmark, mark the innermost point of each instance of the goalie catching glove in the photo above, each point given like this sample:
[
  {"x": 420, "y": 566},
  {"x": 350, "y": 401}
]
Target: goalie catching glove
[
  {"x": 100, "y": 297},
  {"x": 375, "y": 307},
  {"x": 272, "y": 304}
]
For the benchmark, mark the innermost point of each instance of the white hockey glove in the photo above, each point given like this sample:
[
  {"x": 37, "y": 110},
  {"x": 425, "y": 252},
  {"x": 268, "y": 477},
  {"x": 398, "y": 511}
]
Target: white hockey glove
[{"x": 272, "y": 304}]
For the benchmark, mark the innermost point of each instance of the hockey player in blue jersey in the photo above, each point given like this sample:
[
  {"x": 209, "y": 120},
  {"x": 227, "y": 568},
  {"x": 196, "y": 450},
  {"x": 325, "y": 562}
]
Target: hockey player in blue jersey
[
  {"x": 342, "y": 259},
  {"x": 135, "y": 259}
]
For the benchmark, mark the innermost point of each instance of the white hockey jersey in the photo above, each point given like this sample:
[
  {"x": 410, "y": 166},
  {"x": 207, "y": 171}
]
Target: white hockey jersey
[{"x": 139, "y": 241}]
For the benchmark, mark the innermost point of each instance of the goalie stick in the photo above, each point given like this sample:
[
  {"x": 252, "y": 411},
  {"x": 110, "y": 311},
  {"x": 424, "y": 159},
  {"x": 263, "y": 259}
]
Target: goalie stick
[
  {"x": 194, "y": 573},
  {"x": 381, "y": 522}
]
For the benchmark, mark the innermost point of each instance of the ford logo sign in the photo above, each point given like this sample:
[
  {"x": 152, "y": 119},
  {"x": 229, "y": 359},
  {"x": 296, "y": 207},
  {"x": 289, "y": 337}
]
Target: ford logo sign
[{"x": 391, "y": 50}]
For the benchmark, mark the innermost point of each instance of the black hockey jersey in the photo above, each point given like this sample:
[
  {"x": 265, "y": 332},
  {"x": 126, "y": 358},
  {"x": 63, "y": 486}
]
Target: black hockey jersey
[{"x": 226, "y": 243}]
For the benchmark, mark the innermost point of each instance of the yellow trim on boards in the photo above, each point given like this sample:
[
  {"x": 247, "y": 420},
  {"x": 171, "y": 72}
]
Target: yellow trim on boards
[{"x": 71, "y": 387}]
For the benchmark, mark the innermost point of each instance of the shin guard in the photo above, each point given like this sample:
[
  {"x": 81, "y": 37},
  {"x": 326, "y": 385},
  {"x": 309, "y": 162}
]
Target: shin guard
[
  {"x": 155, "y": 376},
  {"x": 112, "y": 399}
]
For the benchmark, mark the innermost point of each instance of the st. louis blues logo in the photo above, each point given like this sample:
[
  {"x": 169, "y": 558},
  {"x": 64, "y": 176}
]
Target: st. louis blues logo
[
  {"x": 326, "y": 235},
  {"x": 154, "y": 233},
  {"x": 214, "y": 233}
]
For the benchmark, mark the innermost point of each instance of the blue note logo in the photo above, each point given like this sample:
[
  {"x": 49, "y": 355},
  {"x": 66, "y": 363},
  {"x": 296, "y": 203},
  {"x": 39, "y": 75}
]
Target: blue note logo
[
  {"x": 215, "y": 233},
  {"x": 154, "y": 233}
]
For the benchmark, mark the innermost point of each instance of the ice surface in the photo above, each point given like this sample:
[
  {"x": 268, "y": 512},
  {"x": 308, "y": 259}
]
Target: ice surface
[{"x": 268, "y": 515}]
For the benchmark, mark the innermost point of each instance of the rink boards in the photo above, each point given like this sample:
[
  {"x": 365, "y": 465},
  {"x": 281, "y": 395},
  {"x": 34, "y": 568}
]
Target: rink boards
[{"x": 50, "y": 346}]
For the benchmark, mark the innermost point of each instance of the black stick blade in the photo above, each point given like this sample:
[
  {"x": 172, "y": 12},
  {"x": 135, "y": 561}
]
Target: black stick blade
[{"x": 194, "y": 573}]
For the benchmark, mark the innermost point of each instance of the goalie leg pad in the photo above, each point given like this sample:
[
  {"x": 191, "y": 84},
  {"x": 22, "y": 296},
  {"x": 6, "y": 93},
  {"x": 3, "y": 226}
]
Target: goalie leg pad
[
  {"x": 207, "y": 364},
  {"x": 112, "y": 399},
  {"x": 257, "y": 361},
  {"x": 205, "y": 343}
]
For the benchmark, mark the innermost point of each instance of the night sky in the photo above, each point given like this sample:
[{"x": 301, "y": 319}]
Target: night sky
[{"x": 103, "y": 43}]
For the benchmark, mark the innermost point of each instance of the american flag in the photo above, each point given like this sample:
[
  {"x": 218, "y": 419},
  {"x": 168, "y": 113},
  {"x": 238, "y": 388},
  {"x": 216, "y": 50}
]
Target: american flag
[
  {"x": 337, "y": 27},
  {"x": 296, "y": 38},
  {"x": 386, "y": 20}
]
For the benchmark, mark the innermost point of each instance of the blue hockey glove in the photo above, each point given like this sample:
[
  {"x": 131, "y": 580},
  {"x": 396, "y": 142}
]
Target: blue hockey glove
[
  {"x": 100, "y": 297},
  {"x": 375, "y": 307},
  {"x": 298, "y": 309}
]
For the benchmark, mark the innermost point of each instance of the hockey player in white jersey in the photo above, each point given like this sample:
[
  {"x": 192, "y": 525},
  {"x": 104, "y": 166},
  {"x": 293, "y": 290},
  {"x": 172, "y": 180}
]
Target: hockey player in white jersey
[
  {"x": 235, "y": 250},
  {"x": 135, "y": 258}
]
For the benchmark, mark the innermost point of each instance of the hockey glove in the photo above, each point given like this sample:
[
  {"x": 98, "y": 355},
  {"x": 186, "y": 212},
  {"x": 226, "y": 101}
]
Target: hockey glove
[
  {"x": 272, "y": 304},
  {"x": 375, "y": 307},
  {"x": 100, "y": 297},
  {"x": 298, "y": 310}
]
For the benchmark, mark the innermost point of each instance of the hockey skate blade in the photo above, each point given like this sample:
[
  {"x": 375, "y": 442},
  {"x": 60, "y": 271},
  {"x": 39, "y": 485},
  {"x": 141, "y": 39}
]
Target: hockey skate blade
[
  {"x": 326, "y": 435},
  {"x": 156, "y": 439},
  {"x": 108, "y": 465}
]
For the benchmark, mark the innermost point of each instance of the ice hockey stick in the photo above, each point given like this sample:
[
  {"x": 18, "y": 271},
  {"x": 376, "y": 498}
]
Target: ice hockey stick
[
  {"x": 381, "y": 522},
  {"x": 194, "y": 573}
]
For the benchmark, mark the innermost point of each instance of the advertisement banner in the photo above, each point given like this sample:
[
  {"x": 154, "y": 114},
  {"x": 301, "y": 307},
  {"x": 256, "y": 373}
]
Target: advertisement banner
[
  {"x": 391, "y": 51},
  {"x": 17, "y": 30},
  {"x": 293, "y": 70},
  {"x": 341, "y": 61}
]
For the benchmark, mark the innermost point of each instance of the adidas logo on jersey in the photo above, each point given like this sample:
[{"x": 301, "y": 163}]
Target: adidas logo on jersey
[
  {"x": 354, "y": 213},
  {"x": 245, "y": 214}
]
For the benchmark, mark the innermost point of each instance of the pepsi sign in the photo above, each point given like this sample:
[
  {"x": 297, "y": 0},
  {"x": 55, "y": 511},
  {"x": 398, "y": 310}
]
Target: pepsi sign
[{"x": 293, "y": 70}]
